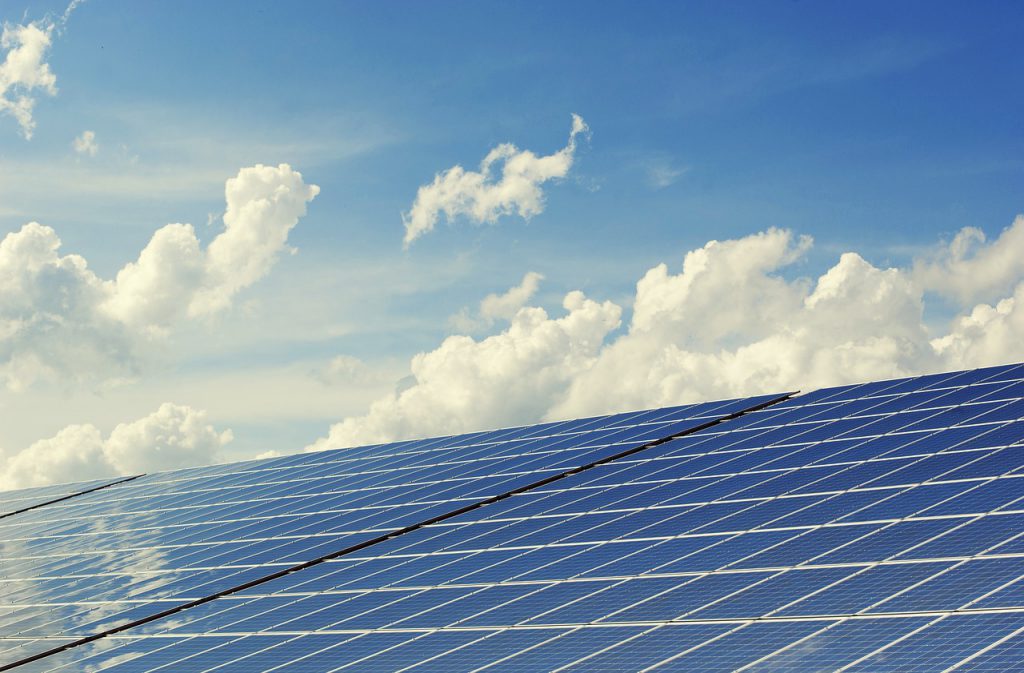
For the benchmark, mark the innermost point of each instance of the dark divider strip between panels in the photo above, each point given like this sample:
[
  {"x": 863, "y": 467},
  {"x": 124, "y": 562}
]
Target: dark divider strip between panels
[
  {"x": 388, "y": 536},
  {"x": 69, "y": 496}
]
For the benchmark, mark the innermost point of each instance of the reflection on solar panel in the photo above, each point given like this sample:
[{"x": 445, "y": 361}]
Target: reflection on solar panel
[
  {"x": 16, "y": 502},
  {"x": 877, "y": 527}
]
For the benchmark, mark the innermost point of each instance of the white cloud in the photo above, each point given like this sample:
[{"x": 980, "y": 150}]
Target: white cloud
[
  {"x": 968, "y": 269},
  {"x": 741, "y": 271},
  {"x": 264, "y": 204},
  {"x": 86, "y": 144},
  {"x": 51, "y": 325},
  {"x": 171, "y": 437},
  {"x": 25, "y": 72},
  {"x": 513, "y": 376},
  {"x": 732, "y": 321},
  {"x": 505, "y": 306},
  {"x": 496, "y": 307},
  {"x": 72, "y": 6},
  {"x": 741, "y": 328},
  {"x": 58, "y": 320},
  {"x": 987, "y": 334},
  {"x": 482, "y": 198}
]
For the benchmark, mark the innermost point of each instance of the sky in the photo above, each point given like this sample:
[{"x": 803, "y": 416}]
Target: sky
[{"x": 247, "y": 228}]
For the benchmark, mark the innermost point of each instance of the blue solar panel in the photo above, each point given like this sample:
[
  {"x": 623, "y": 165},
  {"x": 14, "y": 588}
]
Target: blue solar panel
[
  {"x": 105, "y": 558},
  {"x": 866, "y": 528}
]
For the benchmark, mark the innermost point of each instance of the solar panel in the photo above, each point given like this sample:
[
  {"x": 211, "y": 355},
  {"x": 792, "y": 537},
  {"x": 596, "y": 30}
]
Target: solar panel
[
  {"x": 104, "y": 558},
  {"x": 877, "y": 527}
]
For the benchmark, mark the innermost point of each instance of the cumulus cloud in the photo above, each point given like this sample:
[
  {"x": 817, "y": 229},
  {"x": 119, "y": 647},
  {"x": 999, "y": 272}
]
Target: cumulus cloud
[
  {"x": 734, "y": 320},
  {"x": 970, "y": 269},
  {"x": 496, "y": 307},
  {"x": 86, "y": 144},
  {"x": 482, "y": 197},
  {"x": 739, "y": 328},
  {"x": 987, "y": 334},
  {"x": 513, "y": 376},
  {"x": 58, "y": 319},
  {"x": 50, "y": 318},
  {"x": 171, "y": 437},
  {"x": 24, "y": 72},
  {"x": 740, "y": 271}
]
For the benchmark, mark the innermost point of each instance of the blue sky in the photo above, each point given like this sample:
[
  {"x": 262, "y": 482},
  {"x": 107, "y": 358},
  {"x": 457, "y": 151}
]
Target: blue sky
[{"x": 876, "y": 128}]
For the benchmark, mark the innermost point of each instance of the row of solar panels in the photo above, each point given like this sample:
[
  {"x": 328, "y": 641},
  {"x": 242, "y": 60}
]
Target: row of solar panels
[{"x": 864, "y": 528}]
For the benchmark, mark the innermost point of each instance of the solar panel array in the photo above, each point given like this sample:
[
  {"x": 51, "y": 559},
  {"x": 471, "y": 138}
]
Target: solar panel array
[
  {"x": 877, "y": 527},
  {"x": 113, "y": 556}
]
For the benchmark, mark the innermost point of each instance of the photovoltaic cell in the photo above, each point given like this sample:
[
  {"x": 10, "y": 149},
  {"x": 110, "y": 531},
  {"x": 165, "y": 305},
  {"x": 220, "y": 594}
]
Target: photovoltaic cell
[{"x": 862, "y": 528}]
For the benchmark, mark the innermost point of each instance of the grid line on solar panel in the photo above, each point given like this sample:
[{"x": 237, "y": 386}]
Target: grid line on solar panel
[
  {"x": 865, "y": 645},
  {"x": 873, "y": 650},
  {"x": 675, "y": 426},
  {"x": 983, "y": 654},
  {"x": 500, "y": 660},
  {"x": 607, "y": 643},
  {"x": 741, "y": 621},
  {"x": 893, "y": 643},
  {"x": 584, "y": 661}
]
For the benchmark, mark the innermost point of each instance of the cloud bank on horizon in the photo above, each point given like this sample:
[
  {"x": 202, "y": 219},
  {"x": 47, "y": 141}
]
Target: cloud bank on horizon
[
  {"x": 727, "y": 324},
  {"x": 480, "y": 197}
]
